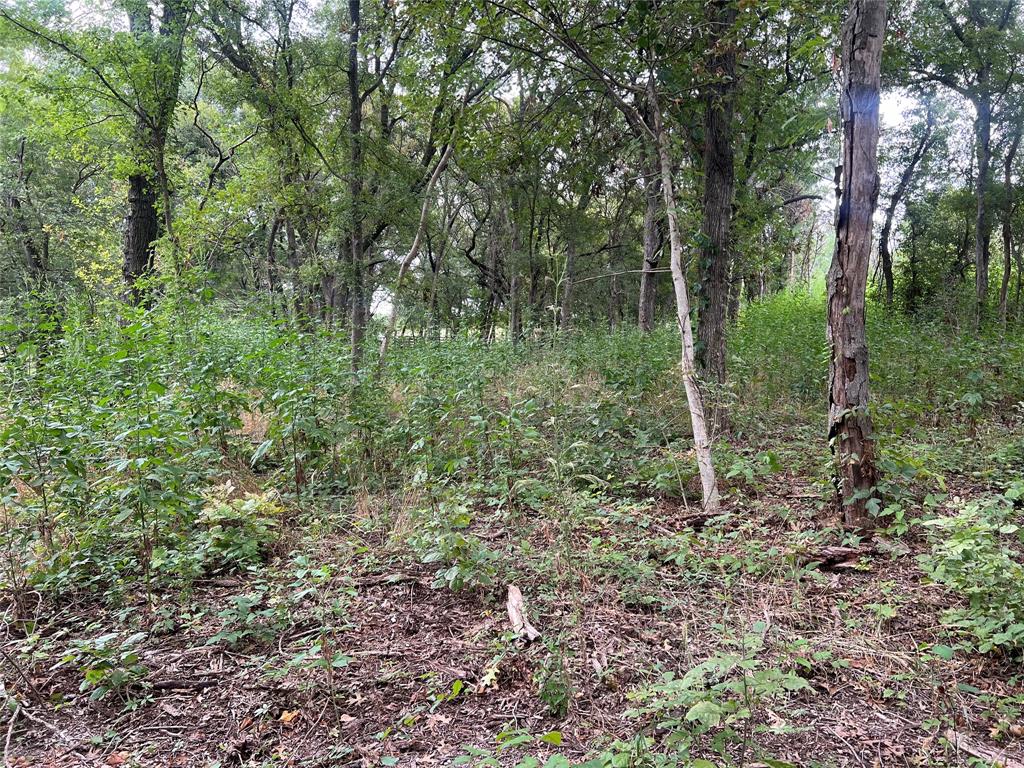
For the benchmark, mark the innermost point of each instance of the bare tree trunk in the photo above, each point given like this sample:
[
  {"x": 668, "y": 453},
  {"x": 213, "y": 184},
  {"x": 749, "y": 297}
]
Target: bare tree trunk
[
  {"x": 272, "y": 278},
  {"x": 849, "y": 422},
  {"x": 141, "y": 231},
  {"x": 1004, "y": 287},
  {"x": 571, "y": 252},
  {"x": 694, "y": 398},
  {"x": 719, "y": 181},
  {"x": 515, "y": 320},
  {"x": 652, "y": 250},
  {"x": 568, "y": 276},
  {"x": 35, "y": 259},
  {"x": 735, "y": 284},
  {"x": 805, "y": 266},
  {"x": 1020, "y": 281}
]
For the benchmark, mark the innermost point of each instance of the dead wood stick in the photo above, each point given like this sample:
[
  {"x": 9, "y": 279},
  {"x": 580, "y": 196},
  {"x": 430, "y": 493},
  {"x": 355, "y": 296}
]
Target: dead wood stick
[
  {"x": 517, "y": 615},
  {"x": 10, "y": 734},
  {"x": 831, "y": 557},
  {"x": 183, "y": 685},
  {"x": 998, "y": 758},
  {"x": 384, "y": 578}
]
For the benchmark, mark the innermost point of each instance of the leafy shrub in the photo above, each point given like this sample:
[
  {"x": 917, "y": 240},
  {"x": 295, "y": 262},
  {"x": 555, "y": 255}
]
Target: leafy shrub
[
  {"x": 107, "y": 663},
  {"x": 554, "y": 684},
  {"x": 716, "y": 695},
  {"x": 977, "y": 555},
  {"x": 234, "y": 533},
  {"x": 257, "y": 617},
  {"x": 465, "y": 561}
]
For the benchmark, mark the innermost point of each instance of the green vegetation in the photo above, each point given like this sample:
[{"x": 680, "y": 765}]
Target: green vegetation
[
  {"x": 512, "y": 383},
  {"x": 137, "y": 446}
]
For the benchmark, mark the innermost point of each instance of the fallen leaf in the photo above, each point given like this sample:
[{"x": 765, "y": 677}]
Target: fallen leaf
[{"x": 289, "y": 715}]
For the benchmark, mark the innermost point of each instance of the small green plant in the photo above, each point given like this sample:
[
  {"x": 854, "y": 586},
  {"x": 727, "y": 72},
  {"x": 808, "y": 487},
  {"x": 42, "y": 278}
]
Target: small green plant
[
  {"x": 717, "y": 697},
  {"x": 255, "y": 617},
  {"x": 513, "y": 739},
  {"x": 107, "y": 663},
  {"x": 554, "y": 684},
  {"x": 465, "y": 561},
  {"x": 235, "y": 533}
]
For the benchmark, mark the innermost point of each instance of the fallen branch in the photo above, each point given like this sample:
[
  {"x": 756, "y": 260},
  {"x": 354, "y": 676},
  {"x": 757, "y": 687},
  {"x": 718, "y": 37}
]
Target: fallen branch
[
  {"x": 834, "y": 557},
  {"x": 10, "y": 734},
  {"x": 183, "y": 685},
  {"x": 384, "y": 578},
  {"x": 997, "y": 758},
  {"x": 517, "y": 615}
]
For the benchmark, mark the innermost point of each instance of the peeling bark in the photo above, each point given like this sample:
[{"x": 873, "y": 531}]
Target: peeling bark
[{"x": 849, "y": 423}]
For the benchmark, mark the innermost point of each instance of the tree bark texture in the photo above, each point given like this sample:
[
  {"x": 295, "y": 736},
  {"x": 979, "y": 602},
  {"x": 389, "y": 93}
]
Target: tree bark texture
[
  {"x": 652, "y": 250},
  {"x": 1008, "y": 245},
  {"x": 719, "y": 182},
  {"x": 982, "y": 231},
  {"x": 357, "y": 268},
  {"x": 849, "y": 422}
]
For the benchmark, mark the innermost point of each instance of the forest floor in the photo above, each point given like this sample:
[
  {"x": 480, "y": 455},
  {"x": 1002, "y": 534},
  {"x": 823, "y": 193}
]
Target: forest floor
[{"x": 843, "y": 636}]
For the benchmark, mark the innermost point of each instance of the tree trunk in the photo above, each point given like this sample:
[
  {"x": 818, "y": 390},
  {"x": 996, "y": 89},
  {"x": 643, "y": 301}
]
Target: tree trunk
[
  {"x": 719, "y": 180},
  {"x": 807, "y": 260},
  {"x": 694, "y": 398},
  {"x": 884, "y": 254},
  {"x": 515, "y": 320},
  {"x": 357, "y": 269},
  {"x": 141, "y": 231},
  {"x": 414, "y": 249},
  {"x": 151, "y": 131},
  {"x": 35, "y": 258},
  {"x": 1004, "y": 287},
  {"x": 272, "y": 278},
  {"x": 571, "y": 251},
  {"x": 982, "y": 233},
  {"x": 652, "y": 250},
  {"x": 849, "y": 428},
  {"x": 565, "y": 308}
]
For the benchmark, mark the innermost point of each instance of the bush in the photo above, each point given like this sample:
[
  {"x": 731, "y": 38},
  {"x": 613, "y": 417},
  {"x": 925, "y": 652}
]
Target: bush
[
  {"x": 235, "y": 533},
  {"x": 977, "y": 555}
]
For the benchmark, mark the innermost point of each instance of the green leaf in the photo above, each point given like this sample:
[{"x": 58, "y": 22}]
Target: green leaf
[
  {"x": 943, "y": 652},
  {"x": 707, "y": 713}
]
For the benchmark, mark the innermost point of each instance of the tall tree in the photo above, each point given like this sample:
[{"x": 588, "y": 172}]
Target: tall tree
[
  {"x": 138, "y": 78},
  {"x": 972, "y": 48},
  {"x": 923, "y": 143},
  {"x": 719, "y": 176},
  {"x": 849, "y": 422},
  {"x": 1009, "y": 195}
]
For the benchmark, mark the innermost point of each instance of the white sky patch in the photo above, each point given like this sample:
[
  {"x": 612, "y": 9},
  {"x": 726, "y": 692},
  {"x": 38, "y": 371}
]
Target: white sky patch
[{"x": 893, "y": 108}]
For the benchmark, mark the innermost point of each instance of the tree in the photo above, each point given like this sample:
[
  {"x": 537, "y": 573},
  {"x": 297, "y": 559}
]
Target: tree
[
  {"x": 1009, "y": 194},
  {"x": 849, "y": 422},
  {"x": 632, "y": 87},
  {"x": 971, "y": 48},
  {"x": 719, "y": 176},
  {"x": 924, "y": 142},
  {"x": 140, "y": 85}
]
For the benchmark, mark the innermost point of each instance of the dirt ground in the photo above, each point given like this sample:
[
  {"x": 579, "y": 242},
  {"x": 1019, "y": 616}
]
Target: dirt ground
[{"x": 420, "y": 676}]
